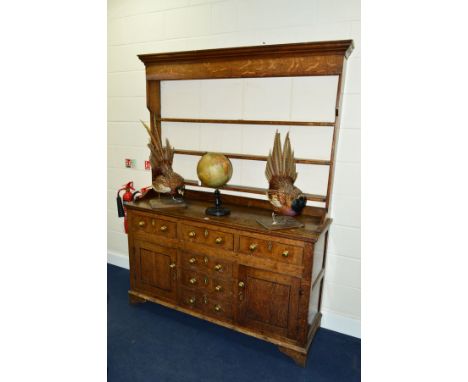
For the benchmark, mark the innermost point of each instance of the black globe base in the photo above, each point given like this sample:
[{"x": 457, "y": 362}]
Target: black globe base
[
  {"x": 221, "y": 211},
  {"x": 217, "y": 210}
]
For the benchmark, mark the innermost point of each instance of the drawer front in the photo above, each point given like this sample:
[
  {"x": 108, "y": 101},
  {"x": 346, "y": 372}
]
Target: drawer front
[
  {"x": 206, "y": 304},
  {"x": 195, "y": 261},
  {"x": 194, "y": 280},
  {"x": 208, "y": 236},
  {"x": 191, "y": 299},
  {"x": 153, "y": 225},
  {"x": 207, "y": 264},
  {"x": 218, "y": 287},
  {"x": 271, "y": 250},
  {"x": 219, "y": 309}
]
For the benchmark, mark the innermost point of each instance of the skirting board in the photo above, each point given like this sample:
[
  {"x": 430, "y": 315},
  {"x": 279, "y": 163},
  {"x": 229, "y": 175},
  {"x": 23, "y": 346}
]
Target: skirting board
[
  {"x": 330, "y": 320},
  {"x": 341, "y": 323},
  {"x": 118, "y": 259}
]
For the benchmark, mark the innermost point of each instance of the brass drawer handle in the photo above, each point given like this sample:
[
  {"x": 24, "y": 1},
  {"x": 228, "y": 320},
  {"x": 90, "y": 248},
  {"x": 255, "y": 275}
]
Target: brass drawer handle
[
  {"x": 172, "y": 265},
  {"x": 285, "y": 254},
  {"x": 163, "y": 228},
  {"x": 193, "y": 280},
  {"x": 192, "y": 234},
  {"x": 141, "y": 223},
  {"x": 193, "y": 260},
  {"x": 241, "y": 284},
  {"x": 217, "y": 308},
  {"x": 218, "y": 267},
  {"x": 253, "y": 247},
  {"x": 219, "y": 240},
  {"x": 192, "y": 300},
  {"x": 218, "y": 288}
]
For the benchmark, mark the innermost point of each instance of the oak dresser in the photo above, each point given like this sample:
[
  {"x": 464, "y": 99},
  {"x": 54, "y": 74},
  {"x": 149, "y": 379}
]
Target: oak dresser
[{"x": 230, "y": 270}]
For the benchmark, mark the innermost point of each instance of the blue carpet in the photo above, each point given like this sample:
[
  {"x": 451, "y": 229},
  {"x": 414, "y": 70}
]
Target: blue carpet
[{"x": 148, "y": 342}]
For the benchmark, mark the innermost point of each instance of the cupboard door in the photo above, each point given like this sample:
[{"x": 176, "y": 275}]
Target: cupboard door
[
  {"x": 268, "y": 301},
  {"x": 155, "y": 270}
]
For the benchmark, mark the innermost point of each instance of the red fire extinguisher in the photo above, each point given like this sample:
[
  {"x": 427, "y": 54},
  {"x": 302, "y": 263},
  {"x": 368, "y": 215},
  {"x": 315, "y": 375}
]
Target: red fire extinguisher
[{"x": 127, "y": 197}]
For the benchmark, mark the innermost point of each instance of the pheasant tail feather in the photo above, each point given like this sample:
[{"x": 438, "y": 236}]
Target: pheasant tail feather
[{"x": 281, "y": 162}]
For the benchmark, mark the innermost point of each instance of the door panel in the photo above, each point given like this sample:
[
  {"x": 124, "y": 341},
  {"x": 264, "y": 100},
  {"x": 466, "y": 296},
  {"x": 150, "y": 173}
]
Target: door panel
[
  {"x": 268, "y": 301},
  {"x": 155, "y": 271}
]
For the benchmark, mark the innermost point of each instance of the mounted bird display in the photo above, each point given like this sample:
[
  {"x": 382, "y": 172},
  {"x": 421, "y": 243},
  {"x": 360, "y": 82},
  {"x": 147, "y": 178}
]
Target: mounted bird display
[
  {"x": 281, "y": 174},
  {"x": 165, "y": 180}
]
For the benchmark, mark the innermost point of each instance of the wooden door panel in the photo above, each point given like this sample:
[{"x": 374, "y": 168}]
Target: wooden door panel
[
  {"x": 268, "y": 301},
  {"x": 155, "y": 271}
]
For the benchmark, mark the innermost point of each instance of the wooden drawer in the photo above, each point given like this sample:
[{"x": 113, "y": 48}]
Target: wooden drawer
[
  {"x": 203, "y": 302},
  {"x": 206, "y": 264},
  {"x": 194, "y": 280},
  {"x": 271, "y": 250},
  {"x": 152, "y": 225},
  {"x": 208, "y": 236},
  {"x": 195, "y": 261},
  {"x": 222, "y": 310},
  {"x": 218, "y": 287},
  {"x": 191, "y": 299}
]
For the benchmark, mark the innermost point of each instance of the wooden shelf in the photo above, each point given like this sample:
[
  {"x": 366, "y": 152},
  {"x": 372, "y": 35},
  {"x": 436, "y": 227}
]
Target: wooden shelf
[
  {"x": 319, "y": 162},
  {"x": 245, "y": 122},
  {"x": 255, "y": 190}
]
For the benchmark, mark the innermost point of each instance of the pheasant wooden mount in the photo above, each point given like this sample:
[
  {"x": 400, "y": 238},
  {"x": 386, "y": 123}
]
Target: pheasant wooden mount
[
  {"x": 164, "y": 179},
  {"x": 281, "y": 174}
]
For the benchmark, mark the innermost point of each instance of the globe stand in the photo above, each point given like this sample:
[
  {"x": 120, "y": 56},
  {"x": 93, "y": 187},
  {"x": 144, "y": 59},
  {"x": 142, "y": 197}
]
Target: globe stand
[{"x": 217, "y": 210}]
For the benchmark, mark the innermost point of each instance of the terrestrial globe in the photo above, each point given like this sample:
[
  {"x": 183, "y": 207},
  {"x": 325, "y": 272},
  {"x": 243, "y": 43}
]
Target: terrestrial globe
[{"x": 215, "y": 170}]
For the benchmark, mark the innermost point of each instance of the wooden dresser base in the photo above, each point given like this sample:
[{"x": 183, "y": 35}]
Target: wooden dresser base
[{"x": 297, "y": 353}]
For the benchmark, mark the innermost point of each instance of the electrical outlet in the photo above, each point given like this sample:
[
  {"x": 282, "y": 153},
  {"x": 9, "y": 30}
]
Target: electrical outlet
[{"x": 147, "y": 165}]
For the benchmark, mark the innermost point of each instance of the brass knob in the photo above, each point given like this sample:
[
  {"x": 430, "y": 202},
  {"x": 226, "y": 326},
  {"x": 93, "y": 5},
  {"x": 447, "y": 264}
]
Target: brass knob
[
  {"x": 192, "y": 300},
  {"x": 218, "y": 267},
  {"x": 193, "y": 260},
  {"x": 163, "y": 228},
  {"x": 192, "y": 234},
  {"x": 253, "y": 247},
  {"x": 193, "y": 280},
  {"x": 172, "y": 265},
  {"x": 141, "y": 223},
  {"x": 217, "y": 307},
  {"x": 285, "y": 254},
  {"x": 218, "y": 288},
  {"x": 241, "y": 284},
  {"x": 219, "y": 240}
]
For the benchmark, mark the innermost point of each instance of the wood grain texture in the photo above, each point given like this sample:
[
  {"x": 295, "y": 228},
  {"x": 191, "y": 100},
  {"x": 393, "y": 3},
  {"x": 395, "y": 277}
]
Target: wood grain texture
[
  {"x": 303, "y": 59},
  {"x": 321, "y": 162},
  {"x": 246, "y": 122},
  {"x": 322, "y": 48}
]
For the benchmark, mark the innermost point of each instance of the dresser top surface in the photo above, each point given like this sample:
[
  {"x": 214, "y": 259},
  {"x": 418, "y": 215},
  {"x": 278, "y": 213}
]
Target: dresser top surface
[{"x": 241, "y": 217}]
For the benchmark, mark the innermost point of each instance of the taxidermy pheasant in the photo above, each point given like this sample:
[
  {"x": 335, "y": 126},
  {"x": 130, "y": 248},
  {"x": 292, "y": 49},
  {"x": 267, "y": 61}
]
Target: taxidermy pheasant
[
  {"x": 281, "y": 174},
  {"x": 165, "y": 180}
]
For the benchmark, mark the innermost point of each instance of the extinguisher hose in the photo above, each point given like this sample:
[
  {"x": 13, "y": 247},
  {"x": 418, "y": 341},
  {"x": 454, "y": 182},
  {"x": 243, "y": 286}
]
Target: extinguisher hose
[{"x": 120, "y": 208}]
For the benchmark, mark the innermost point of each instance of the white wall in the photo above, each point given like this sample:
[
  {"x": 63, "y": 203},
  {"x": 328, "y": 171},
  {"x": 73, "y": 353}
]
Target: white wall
[{"x": 150, "y": 26}]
